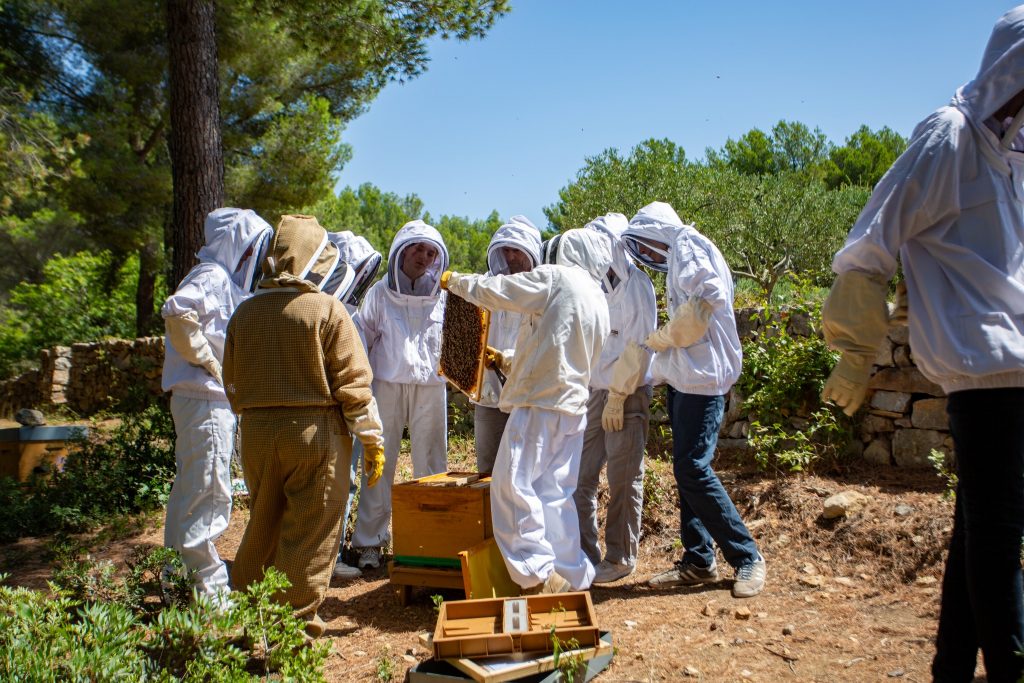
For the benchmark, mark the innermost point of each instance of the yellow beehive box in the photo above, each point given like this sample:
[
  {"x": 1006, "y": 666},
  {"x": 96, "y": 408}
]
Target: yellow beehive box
[
  {"x": 435, "y": 518},
  {"x": 39, "y": 450}
]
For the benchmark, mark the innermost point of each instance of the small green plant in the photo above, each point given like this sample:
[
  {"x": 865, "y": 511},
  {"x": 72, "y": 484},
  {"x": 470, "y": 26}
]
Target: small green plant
[
  {"x": 567, "y": 658},
  {"x": 437, "y": 600},
  {"x": 940, "y": 462},
  {"x": 385, "y": 667}
]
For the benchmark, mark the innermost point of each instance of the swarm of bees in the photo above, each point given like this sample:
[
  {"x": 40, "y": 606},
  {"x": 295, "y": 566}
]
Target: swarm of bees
[{"x": 463, "y": 342}]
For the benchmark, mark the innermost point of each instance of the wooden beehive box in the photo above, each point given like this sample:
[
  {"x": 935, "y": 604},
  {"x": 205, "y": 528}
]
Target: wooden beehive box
[
  {"x": 492, "y": 627},
  {"x": 436, "y": 517},
  {"x": 24, "y": 450}
]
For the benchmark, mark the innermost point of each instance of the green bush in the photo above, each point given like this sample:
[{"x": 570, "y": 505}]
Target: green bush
[
  {"x": 783, "y": 375},
  {"x": 73, "y": 638},
  {"x": 129, "y": 472}
]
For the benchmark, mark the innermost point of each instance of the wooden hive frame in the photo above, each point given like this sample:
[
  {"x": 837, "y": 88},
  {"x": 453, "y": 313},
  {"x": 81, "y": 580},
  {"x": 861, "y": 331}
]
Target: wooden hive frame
[{"x": 448, "y": 343}]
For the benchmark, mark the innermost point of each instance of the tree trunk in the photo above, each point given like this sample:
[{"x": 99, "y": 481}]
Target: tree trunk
[
  {"x": 145, "y": 315},
  {"x": 197, "y": 160}
]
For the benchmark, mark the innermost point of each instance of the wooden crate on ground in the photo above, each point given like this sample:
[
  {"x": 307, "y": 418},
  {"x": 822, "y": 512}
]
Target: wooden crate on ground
[
  {"x": 470, "y": 629},
  {"x": 40, "y": 450}
]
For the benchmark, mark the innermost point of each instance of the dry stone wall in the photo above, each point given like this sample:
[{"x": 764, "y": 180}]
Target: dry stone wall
[{"x": 904, "y": 418}]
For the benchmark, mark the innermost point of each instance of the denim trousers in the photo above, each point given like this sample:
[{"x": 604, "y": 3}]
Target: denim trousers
[
  {"x": 981, "y": 589},
  {"x": 706, "y": 513}
]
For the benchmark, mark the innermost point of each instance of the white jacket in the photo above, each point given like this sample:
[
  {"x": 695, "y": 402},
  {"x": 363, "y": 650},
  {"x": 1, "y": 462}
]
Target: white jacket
[
  {"x": 952, "y": 208},
  {"x": 403, "y": 331},
  {"x": 695, "y": 268},
  {"x": 565, "y": 323},
  {"x": 224, "y": 277},
  {"x": 632, "y": 304},
  {"x": 523, "y": 235}
]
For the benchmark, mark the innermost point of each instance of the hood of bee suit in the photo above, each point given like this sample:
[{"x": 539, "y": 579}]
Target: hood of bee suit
[
  {"x": 411, "y": 233},
  {"x": 361, "y": 259},
  {"x": 612, "y": 225},
  {"x": 656, "y": 222},
  {"x": 236, "y": 240},
  {"x": 1001, "y": 75},
  {"x": 519, "y": 233},
  {"x": 300, "y": 257},
  {"x": 586, "y": 249}
]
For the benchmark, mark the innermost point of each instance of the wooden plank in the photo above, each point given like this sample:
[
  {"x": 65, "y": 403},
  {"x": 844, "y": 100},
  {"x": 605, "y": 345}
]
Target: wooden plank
[{"x": 500, "y": 670}]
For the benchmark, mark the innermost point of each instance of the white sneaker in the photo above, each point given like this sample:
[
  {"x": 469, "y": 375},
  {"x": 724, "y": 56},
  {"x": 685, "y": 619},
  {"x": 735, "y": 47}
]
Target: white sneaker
[
  {"x": 610, "y": 573},
  {"x": 345, "y": 571},
  {"x": 750, "y": 579},
  {"x": 369, "y": 557}
]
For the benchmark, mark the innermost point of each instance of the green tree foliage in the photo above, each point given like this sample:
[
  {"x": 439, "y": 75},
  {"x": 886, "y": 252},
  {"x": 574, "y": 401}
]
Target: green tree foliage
[
  {"x": 84, "y": 297},
  {"x": 791, "y": 147},
  {"x": 865, "y": 157}
]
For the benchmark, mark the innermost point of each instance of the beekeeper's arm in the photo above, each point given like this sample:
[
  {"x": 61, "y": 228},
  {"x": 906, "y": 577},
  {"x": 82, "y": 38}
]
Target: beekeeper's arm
[
  {"x": 919, "y": 191},
  {"x": 689, "y": 322},
  {"x": 350, "y": 377},
  {"x": 184, "y": 331},
  {"x": 521, "y": 293},
  {"x": 630, "y": 367}
]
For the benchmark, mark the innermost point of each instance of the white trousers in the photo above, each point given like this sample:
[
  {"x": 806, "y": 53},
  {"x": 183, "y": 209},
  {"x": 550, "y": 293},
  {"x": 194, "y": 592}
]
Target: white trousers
[
  {"x": 424, "y": 409},
  {"x": 199, "y": 505},
  {"x": 533, "y": 515}
]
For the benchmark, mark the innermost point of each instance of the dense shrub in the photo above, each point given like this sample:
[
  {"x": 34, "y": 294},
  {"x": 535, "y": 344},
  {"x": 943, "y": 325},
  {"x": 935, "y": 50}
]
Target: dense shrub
[{"x": 129, "y": 472}]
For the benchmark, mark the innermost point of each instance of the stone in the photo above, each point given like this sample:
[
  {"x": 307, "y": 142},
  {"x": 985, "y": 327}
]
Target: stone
[
  {"x": 733, "y": 445},
  {"x": 911, "y": 447},
  {"x": 844, "y": 504},
  {"x": 902, "y": 357},
  {"x": 902, "y": 510},
  {"x": 884, "y": 356},
  {"x": 930, "y": 413},
  {"x": 799, "y": 324},
  {"x": 742, "y": 613},
  {"x": 879, "y": 452},
  {"x": 691, "y": 671},
  {"x": 739, "y": 430},
  {"x": 788, "y": 630},
  {"x": 891, "y": 401},
  {"x": 29, "y": 417},
  {"x": 899, "y": 334},
  {"x": 876, "y": 424},
  {"x": 906, "y": 380},
  {"x": 812, "y": 581}
]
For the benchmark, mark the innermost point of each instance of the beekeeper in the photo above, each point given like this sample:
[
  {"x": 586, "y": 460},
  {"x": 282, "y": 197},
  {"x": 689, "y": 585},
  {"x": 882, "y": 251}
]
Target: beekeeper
[
  {"x": 565, "y": 324},
  {"x": 514, "y": 248},
  {"x": 951, "y": 209},
  {"x": 358, "y": 265},
  {"x": 196, "y": 318},
  {"x": 401, "y": 321},
  {"x": 698, "y": 355},
  {"x": 297, "y": 374},
  {"x": 618, "y": 413}
]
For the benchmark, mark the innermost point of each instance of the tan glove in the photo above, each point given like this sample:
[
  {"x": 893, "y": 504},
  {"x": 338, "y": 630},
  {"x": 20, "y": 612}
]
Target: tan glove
[
  {"x": 854, "y": 319},
  {"x": 373, "y": 463},
  {"x": 495, "y": 358},
  {"x": 612, "y": 418},
  {"x": 688, "y": 325},
  {"x": 185, "y": 334}
]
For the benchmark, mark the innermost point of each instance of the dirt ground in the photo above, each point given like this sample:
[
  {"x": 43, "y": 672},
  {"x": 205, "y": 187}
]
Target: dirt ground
[{"x": 853, "y": 599}]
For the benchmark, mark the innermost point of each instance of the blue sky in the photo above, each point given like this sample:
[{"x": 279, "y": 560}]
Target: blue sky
[{"x": 504, "y": 122}]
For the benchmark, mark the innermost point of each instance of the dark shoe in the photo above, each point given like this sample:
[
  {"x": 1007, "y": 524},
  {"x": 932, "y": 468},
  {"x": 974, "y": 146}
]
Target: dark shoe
[{"x": 685, "y": 574}]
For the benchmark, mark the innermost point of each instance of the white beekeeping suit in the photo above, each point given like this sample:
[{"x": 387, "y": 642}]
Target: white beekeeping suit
[
  {"x": 617, "y": 416},
  {"x": 564, "y": 327},
  {"x": 696, "y": 272},
  {"x": 196, "y": 318},
  {"x": 401, "y": 323},
  {"x": 488, "y": 420}
]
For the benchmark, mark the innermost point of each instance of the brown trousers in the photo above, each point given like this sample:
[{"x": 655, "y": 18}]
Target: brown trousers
[{"x": 296, "y": 465}]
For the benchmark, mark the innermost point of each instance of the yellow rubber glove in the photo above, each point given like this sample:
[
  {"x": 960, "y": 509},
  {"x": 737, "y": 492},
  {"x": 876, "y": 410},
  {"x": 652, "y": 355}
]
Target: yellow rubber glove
[
  {"x": 495, "y": 358},
  {"x": 612, "y": 418},
  {"x": 854, "y": 319},
  {"x": 373, "y": 463},
  {"x": 688, "y": 324},
  {"x": 445, "y": 276}
]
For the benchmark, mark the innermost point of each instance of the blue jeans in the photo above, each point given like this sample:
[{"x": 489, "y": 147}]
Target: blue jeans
[
  {"x": 981, "y": 589},
  {"x": 706, "y": 512}
]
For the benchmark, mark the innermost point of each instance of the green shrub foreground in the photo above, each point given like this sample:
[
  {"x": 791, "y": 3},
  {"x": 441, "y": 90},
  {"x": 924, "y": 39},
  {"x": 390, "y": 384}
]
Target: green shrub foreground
[{"x": 136, "y": 635}]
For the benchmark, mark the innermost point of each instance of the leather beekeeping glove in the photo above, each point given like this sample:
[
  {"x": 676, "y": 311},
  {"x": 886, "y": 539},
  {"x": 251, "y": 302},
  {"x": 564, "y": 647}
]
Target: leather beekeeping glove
[
  {"x": 373, "y": 463},
  {"x": 445, "y": 277},
  {"x": 854, "y": 319},
  {"x": 898, "y": 310},
  {"x": 365, "y": 425},
  {"x": 612, "y": 418},
  {"x": 689, "y": 324},
  {"x": 185, "y": 334},
  {"x": 629, "y": 369},
  {"x": 496, "y": 359}
]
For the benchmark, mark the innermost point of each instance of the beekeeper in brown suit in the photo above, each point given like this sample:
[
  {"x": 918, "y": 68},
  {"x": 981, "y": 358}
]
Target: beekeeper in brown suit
[{"x": 296, "y": 372}]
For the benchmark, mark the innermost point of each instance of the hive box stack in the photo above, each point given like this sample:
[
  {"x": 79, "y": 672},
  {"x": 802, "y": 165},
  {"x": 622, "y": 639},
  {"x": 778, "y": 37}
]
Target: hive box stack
[{"x": 435, "y": 518}]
